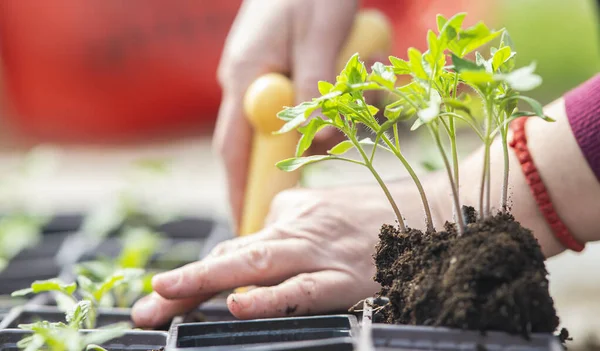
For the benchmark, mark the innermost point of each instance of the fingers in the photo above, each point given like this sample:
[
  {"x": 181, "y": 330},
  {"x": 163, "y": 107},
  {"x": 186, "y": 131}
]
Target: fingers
[
  {"x": 231, "y": 138},
  {"x": 256, "y": 264},
  {"x": 154, "y": 310},
  {"x": 306, "y": 293}
]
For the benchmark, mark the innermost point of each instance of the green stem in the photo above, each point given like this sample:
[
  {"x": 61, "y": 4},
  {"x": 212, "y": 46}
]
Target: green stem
[
  {"x": 409, "y": 169},
  {"x": 381, "y": 183},
  {"x": 397, "y": 139},
  {"x": 469, "y": 122},
  {"x": 413, "y": 175},
  {"x": 504, "y": 198},
  {"x": 460, "y": 222},
  {"x": 484, "y": 197}
]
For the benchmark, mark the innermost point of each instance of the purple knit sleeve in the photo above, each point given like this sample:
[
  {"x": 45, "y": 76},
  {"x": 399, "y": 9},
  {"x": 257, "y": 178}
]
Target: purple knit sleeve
[{"x": 583, "y": 111}]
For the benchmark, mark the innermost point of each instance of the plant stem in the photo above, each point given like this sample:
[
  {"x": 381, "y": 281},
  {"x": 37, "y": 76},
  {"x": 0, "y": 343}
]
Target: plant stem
[
  {"x": 380, "y": 181},
  {"x": 460, "y": 222},
  {"x": 485, "y": 181},
  {"x": 409, "y": 169},
  {"x": 413, "y": 175},
  {"x": 504, "y": 197}
]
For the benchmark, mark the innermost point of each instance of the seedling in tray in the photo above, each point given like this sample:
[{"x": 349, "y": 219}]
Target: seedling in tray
[
  {"x": 482, "y": 272},
  {"x": 97, "y": 294},
  {"x": 67, "y": 336}
]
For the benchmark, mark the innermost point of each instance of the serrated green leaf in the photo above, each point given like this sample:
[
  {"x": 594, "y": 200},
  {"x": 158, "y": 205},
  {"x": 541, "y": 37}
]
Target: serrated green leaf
[
  {"x": 481, "y": 61},
  {"x": 416, "y": 63},
  {"x": 399, "y": 65},
  {"x": 308, "y": 133},
  {"x": 501, "y": 56},
  {"x": 441, "y": 21},
  {"x": 39, "y": 286},
  {"x": 537, "y": 108},
  {"x": 472, "y": 38},
  {"x": 354, "y": 72},
  {"x": 325, "y": 87},
  {"x": 434, "y": 46},
  {"x": 76, "y": 315},
  {"x": 383, "y": 75},
  {"x": 461, "y": 65},
  {"x": 451, "y": 27},
  {"x": 102, "y": 335},
  {"x": 292, "y": 164},
  {"x": 432, "y": 110},
  {"x": 296, "y": 116},
  {"x": 341, "y": 148},
  {"x": 522, "y": 79},
  {"x": 418, "y": 123},
  {"x": 477, "y": 77},
  {"x": 506, "y": 40}
]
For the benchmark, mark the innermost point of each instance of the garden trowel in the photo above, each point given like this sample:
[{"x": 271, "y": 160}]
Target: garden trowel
[{"x": 268, "y": 95}]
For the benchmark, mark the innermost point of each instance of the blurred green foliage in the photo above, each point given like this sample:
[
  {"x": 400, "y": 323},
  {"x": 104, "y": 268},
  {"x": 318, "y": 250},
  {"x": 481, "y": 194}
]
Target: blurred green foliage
[{"x": 562, "y": 36}]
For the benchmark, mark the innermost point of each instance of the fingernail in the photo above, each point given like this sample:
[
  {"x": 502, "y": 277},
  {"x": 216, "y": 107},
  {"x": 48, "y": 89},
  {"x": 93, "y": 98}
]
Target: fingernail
[
  {"x": 145, "y": 310},
  {"x": 244, "y": 301},
  {"x": 167, "y": 280}
]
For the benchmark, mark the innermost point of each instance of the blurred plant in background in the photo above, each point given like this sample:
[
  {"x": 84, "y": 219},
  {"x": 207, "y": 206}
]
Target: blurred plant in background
[
  {"x": 561, "y": 36},
  {"x": 20, "y": 226}
]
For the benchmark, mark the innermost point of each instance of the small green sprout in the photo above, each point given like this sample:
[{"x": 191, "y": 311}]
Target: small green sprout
[
  {"x": 432, "y": 97},
  {"x": 59, "y": 336},
  {"x": 97, "y": 294}
]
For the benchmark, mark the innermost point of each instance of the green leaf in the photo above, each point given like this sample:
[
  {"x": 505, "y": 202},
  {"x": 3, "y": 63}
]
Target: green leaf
[
  {"x": 418, "y": 123},
  {"x": 457, "y": 105},
  {"x": 432, "y": 110},
  {"x": 501, "y": 56},
  {"x": 308, "y": 134},
  {"x": 399, "y": 65},
  {"x": 506, "y": 40},
  {"x": 383, "y": 75},
  {"x": 94, "y": 347},
  {"x": 296, "y": 116},
  {"x": 108, "y": 284},
  {"x": 76, "y": 315},
  {"x": 354, "y": 72},
  {"x": 325, "y": 87},
  {"x": 39, "y": 286},
  {"x": 341, "y": 148},
  {"x": 537, "y": 108},
  {"x": 441, "y": 21},
  {"x": 102, "y": 335},
  {"x": 434, "y": 46},
  {"x": 450, "y": 28},
  {"x": 139, "y": 244},
  {"x": 481, "y": 61},
  {"x": 477, "y": 77},
  {"x": 292, "y": 164},
  {"x": 461, "y": 65},
  {"x": 522, "y": 79},
  {"x": 416, "y": 63},
  {"x": 472, "y": 38}
]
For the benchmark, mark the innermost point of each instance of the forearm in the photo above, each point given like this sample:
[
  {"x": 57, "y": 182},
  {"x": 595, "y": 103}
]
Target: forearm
[{"x": 572, "y": 186}]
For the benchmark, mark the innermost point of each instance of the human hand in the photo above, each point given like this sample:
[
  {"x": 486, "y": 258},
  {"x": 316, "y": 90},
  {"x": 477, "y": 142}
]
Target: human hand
[
  {"x": 314, "y": 256},
  {"x": 301, "y": 38}
]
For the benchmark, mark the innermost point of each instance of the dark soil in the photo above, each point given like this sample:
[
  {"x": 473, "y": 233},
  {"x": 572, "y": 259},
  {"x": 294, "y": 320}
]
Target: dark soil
[{"x": 493, "y": 277}]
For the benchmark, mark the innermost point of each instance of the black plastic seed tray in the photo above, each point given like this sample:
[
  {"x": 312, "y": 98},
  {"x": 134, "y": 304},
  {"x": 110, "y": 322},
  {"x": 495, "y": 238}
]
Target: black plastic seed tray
[
  {"x": 387, "y": 337},
  {"x": 19, "y": 274},
  {"x": 263, "y": 334},
  {"x": 130, "y": 341}
]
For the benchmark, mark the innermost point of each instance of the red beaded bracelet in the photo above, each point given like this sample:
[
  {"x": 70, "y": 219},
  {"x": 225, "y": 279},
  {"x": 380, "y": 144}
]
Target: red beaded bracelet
[{"x": 537, "y": 187}]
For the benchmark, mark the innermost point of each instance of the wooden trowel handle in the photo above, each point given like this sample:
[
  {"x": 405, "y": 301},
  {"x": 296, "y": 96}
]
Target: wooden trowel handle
[{"x": 269, "y": 94}]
